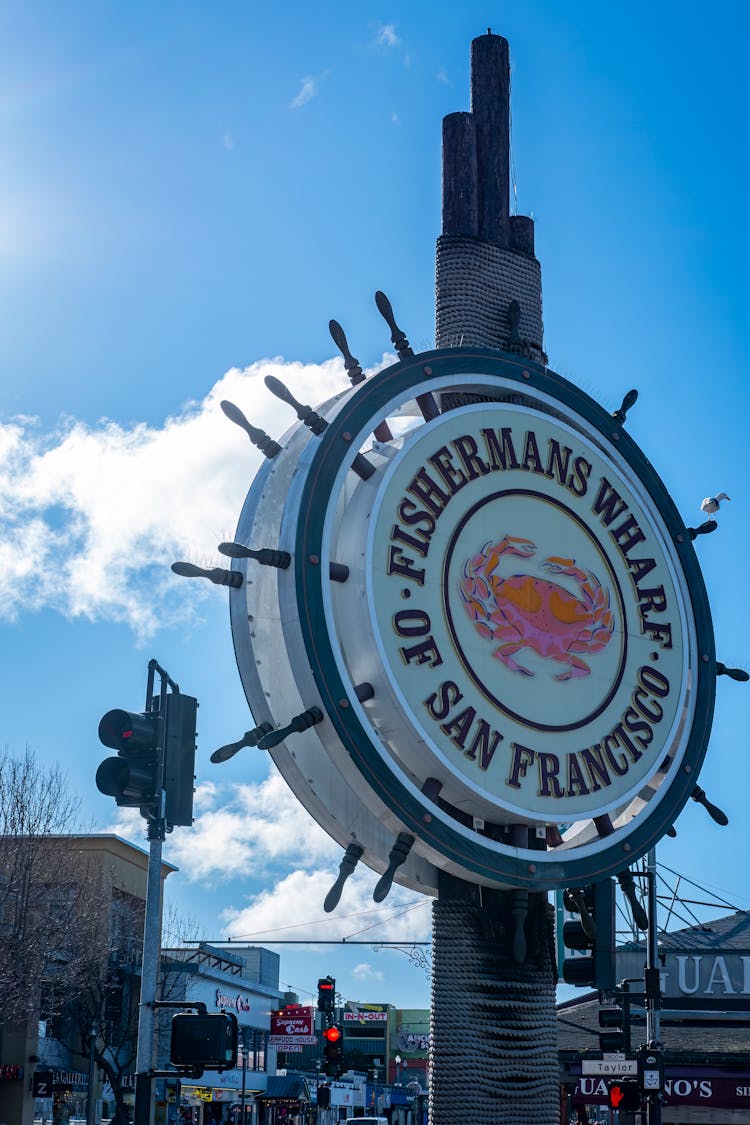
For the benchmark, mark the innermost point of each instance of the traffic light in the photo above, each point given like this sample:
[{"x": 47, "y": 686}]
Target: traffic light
[
  {"x": 623, "y": 1094},
  {"x": 593, "y": 934},
  {"x": 204, "y": 1041},
  {"x": 327, "y": 995},
  {"x": 333, "y": 1051},
  {"x": 324, "y": 1096},
  {"x": 132, "y": 777},
  {"x": 179, "y": 758},
  {"x": 615, "y": 1022}
]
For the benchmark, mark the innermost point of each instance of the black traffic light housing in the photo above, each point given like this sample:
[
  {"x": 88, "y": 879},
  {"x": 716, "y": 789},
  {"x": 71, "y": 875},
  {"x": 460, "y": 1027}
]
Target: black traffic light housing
[
  {"x": 327, "y": 995},
  {"x": 204, "y": 1041},
  {"x": 324, "y": 1096},
  {"x": 132, "y": 777},
  {"x": 623, "y": 1094},
  {"x": 155, "y": 752},
  {"x": 179, "y": 758},
  {"x": 593, "y": 933},
  {"x": 614, "y": 1020},
  {"x": 333, "y": 1051}
]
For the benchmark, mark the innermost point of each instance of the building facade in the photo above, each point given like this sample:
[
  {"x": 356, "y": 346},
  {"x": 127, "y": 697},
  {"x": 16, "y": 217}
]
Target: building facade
[
  {"x": 244, "y": 981},
  {"x": 87, "y": 901},
  {"x": 704, "y": 1027}
]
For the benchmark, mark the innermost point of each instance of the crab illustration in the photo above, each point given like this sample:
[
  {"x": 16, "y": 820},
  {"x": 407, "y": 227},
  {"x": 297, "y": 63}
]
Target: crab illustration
[{"x": 522, "y": 611}]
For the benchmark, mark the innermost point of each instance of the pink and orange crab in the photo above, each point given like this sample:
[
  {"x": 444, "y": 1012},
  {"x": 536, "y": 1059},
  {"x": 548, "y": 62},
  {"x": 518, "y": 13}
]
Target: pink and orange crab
[{"x": 522, "y": 611}]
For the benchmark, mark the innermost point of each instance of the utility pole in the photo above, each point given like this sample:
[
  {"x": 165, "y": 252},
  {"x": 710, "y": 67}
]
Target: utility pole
[
  {"x": 156, "y": 830},
  {"x": 653, "y": 987},
  {"x": 153, "y": 772}
]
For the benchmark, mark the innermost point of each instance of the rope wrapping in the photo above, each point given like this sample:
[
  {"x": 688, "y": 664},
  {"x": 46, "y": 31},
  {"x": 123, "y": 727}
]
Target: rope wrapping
[
  {"x": 493, "y": 1056},
  {"x": 494, "y": 1035}
]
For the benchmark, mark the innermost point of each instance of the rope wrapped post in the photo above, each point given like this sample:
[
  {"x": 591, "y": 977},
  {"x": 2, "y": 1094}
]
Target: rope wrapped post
[{"x": 493, "y": 1027}]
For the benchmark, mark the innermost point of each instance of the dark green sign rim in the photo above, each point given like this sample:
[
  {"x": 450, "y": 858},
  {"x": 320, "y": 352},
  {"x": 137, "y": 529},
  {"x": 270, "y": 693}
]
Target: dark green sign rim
[{"x": 418, "y": 814}]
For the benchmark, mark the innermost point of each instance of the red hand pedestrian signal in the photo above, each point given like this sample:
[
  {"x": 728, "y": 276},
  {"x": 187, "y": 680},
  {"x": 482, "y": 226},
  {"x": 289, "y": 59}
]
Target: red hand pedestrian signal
[
  {"x": 624, "y": 1095},
  {"x": 616, "y": 1095}
]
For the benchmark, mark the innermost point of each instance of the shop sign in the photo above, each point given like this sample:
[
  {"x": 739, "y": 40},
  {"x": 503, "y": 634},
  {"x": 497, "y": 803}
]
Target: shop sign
[
  {"x": 11, "y": 1070},
  {"x": 719, "y": 1093},
  {"x": 238, "y": 1002},
  {"x": 365, "y": 1017},
  {"x": 295, "y": 1023},
  {"x": 713, "y": 974},
  {"x": 413, "y": 1041}
]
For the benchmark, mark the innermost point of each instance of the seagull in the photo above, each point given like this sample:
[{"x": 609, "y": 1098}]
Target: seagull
[{"x": 712, "y": 504}]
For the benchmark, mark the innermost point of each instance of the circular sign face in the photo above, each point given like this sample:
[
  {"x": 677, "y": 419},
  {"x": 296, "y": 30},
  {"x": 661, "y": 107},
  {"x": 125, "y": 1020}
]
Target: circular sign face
[
  {"x": 527, "y": 612},
  {"x": 492, "y": 634}
]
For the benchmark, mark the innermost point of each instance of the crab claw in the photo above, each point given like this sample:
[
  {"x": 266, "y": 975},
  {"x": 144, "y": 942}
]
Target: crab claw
[
  {"x": 516, "y": 546},
  {"x": 557, "y": 564}
]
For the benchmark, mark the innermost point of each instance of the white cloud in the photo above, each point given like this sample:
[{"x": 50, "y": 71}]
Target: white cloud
[
  {"x": 309, "y": 89},
  {"x": 80, "y": 530},
  {"x": 386, "y": 36},
  {"x": 241, "y": 831},
  {"x": 365, "y": 971},
  {"x": 293, "y": 907},
  {"x": 261, "y": 832}
]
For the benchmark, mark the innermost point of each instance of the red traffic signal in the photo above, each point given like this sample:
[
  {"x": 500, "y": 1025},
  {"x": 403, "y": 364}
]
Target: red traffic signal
[
  {"x": 624, "y": 1096},
  {"x": 333, "y": 1052},
  {"x": 127, "y": 732},
  {"x": 132, "y": 777},
  {"x": 327, "y": 994}
]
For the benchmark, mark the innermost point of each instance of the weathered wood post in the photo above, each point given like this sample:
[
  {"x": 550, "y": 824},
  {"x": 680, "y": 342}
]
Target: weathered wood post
[{"x": 494, "y": 1042}]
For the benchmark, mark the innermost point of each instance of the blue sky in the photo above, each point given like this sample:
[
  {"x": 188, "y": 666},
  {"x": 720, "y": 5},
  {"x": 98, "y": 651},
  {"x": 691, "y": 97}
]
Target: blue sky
[{"x": 189, "y": 192}]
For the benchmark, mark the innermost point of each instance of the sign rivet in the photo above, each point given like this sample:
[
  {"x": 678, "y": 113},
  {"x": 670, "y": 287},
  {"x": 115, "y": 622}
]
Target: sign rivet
[
  {"x": 626, "y": 847},
  {"x": 615, "y": 436},
  {"x": 427, "y": 370},
  {"x": 343, "y": 704},
  {"x": 688, "y": 769},
  {"x": 346, "y": 436},
  {"x": 315, "y": 560},
  {"x": 532, "y": 868},
  {"x": 526, "y": 374},
  {"x": 427, "y": 818}
]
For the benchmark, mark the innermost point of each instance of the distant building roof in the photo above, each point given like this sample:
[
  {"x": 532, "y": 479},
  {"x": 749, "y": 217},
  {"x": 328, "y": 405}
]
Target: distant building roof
[
  {"x": 731, "y": 932},
  {"x": 578, "y": 1030},
  {"x": 285, "y": 1086}
]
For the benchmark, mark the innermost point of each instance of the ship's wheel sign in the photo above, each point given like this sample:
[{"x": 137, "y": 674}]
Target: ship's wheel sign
[{"x": 484, "y": 644}]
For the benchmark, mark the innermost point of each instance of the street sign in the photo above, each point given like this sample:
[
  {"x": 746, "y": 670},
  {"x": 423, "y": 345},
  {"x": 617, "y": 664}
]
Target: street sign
[{"x": 609, "y": 1066}]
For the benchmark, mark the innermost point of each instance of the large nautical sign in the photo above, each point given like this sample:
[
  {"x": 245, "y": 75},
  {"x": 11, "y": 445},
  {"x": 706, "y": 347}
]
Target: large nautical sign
[{"x": 485, "y": 619}]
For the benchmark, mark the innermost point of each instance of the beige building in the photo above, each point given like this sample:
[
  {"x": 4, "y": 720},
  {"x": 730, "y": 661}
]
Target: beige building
[{"x": 73, "y": 941}]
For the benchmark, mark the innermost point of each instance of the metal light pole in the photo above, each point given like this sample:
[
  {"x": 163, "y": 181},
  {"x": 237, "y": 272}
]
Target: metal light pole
[
  {"x": 152, "y": 921},
  {"x": 397, "y": 1061},
  {"x": 653, "y": 984},
  {"x": 91, "y": 1100},
  {"x": 243, "y": 1095}
]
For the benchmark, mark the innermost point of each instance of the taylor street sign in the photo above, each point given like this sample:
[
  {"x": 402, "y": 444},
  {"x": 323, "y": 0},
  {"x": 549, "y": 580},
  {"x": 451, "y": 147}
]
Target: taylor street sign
[{"x": 615, "y": 1067}]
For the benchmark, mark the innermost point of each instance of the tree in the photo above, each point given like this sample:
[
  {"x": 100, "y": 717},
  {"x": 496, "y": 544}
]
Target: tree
[
  {"x": 37, "y": 892},
  {"x": 72, "y": 935}
]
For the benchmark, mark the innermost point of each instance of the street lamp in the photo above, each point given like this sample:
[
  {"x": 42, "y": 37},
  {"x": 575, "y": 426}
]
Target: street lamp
[{"x": 397, "y": 1061}]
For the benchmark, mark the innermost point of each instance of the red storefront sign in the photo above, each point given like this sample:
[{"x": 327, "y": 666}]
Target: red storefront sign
[
  {"x": 706, "y": 1086},
  {"x": 292, "y": 1026}
]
